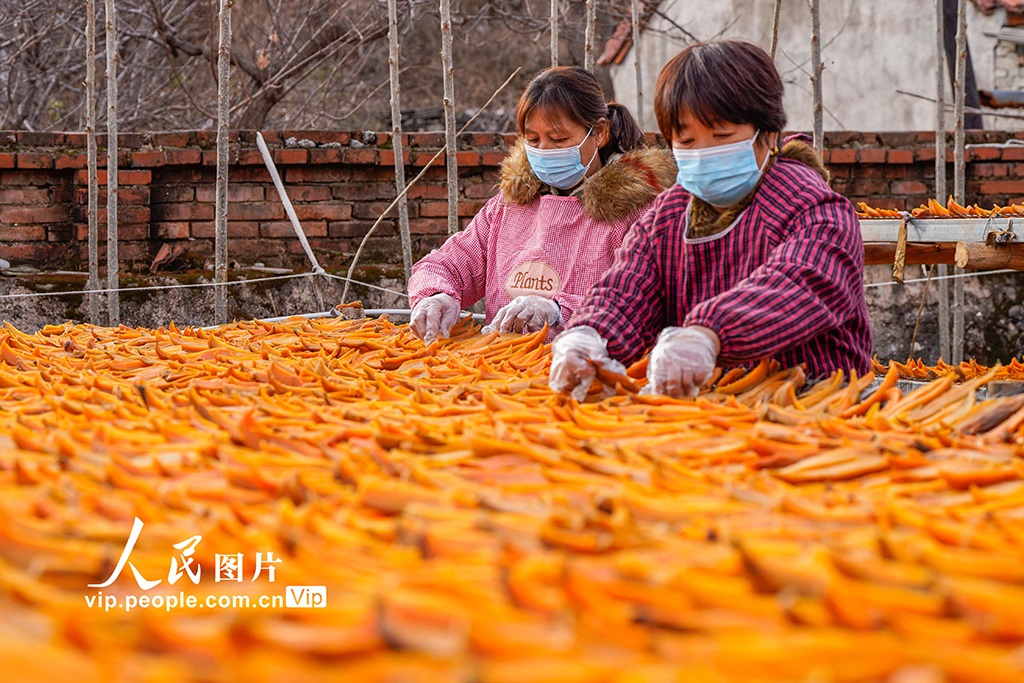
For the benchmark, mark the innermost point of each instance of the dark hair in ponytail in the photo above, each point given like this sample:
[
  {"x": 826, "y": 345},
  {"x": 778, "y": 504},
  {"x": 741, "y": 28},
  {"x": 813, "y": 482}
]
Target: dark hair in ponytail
[
  {"x": 575, "y": 92},
  {"x": 626, "y": 133}
]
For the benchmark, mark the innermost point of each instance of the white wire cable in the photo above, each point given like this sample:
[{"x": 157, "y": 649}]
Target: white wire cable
[
  {"x": 366, "y": 284},
  {"x": 369, "y": 312},
  {"x": 941, "y": 277},
  {"x": 151, "y": 288}
]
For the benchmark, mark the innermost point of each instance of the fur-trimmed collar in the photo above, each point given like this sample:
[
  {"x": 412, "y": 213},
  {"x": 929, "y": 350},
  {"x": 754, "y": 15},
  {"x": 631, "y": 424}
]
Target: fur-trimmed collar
[
  {"x": 706, "y": 220},
  {"x": 621, "y": 188}
]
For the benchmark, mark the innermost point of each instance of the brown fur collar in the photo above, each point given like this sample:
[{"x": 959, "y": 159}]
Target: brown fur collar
[
  {"x": 624, "y": 186},
  {"x": 706, "y": 220},
  {"x": 805, "y": 154}
]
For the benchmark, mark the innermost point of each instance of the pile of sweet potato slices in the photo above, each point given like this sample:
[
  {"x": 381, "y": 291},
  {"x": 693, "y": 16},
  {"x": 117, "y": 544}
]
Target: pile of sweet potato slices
[{"x": 470, "y": 525}]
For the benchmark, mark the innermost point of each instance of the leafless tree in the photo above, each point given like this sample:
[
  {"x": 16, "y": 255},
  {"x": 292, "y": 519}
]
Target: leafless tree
[
  {"x": 34, "y": 77},
  {"x": 285, "y": 51},
  {"x": 280, "y": 44},
  {"x": 295, "y": 63}
]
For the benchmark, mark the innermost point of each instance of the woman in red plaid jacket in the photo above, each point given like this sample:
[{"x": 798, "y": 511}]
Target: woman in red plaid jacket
[
  {"x": 750, "y": 255},
  {"x": 579, "y": 176}
]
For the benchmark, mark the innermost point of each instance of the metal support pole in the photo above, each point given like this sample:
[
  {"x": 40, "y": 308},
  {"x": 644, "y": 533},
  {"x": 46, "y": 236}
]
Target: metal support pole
[
  {"x": 635, "y": 8},
  {"x": 451, "y": 158},
  {"x": 588, "y": 48},
  {"x": 220, "y": 233},
  {"x": 113, "y": 300},
  {"x": 819, "y": 135},
  {"x": 289, "y": 211},
  {"x": 90, "y": 138},
  {"x": 396, "y": 138},
  {"x": 959, "y": 189},
  {"x": 942, "y": 291}
]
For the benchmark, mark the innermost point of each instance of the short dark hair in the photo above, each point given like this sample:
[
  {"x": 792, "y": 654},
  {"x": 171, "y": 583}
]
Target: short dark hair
[
  {"x": 576, "y": 93},
  {"x": 728, "y": 80}
]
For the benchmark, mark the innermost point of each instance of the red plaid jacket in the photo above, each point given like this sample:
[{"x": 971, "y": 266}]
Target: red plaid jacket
[{"x": 785, "y": 281}]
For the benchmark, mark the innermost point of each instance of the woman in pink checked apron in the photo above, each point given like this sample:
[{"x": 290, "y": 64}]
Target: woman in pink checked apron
[{"x": 575, "y": 181}]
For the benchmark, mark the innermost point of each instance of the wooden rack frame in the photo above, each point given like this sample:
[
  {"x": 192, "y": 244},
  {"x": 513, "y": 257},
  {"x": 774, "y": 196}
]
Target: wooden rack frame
[{"x": 969, "y": 243}]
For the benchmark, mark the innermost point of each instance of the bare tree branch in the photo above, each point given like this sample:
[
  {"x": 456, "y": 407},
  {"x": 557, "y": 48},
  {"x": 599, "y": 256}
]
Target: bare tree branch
[{"x": 303, "y": 63}]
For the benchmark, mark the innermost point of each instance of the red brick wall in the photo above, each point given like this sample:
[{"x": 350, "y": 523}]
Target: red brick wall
[
  {"x": 342, "y": 184},
  {"x": 897, "y": 170}
]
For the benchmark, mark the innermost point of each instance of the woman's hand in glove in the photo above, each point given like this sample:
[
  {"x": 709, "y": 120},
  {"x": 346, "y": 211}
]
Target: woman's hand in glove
[
  {"x": 574, "y": 353},
  {"x": 434, "y": 317},
  {"x": 526, "y": 314},
  {"x": 682, "y": 361}
]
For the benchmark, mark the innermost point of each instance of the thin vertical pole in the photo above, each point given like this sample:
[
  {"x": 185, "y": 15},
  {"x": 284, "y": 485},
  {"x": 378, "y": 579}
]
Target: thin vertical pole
[
  {"x": 942, "y": 291},
  {"x": 113, "y": 300},
  {"x": 819, "y": 136},
  {"x": 635, "y": 7},
  {"x": 396, "y": 137},
  {"x": 943, "y": 294},
  {"x": 959, "y": 189},
  {"x": 775, "y": 28},
  {"x": 554, "y": 32},
  {"x": 959, "y": 92},
  {"x": 588, "y": 48},
  {"x": 220, "y": 234},
  {"x": 940, "y": 105},
  {"x": 450, "y": 160},
  {"x": 90, "y": 141}
]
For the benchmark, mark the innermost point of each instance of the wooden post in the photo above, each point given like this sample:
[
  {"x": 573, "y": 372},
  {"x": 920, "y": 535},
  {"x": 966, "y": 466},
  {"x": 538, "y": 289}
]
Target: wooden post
[
  {"x": 451, "y": 159},
  {"x": 942, "y": 291},
  {"x": 981, "y": 256},
  {"x": 588, "y": 48},
  {"x": 635, "y": 7},
  {"x": 959, "y": 190},
  {"x": 972, "y": 113},
  {"x": 775, "y": 28},
  {"x": 90, "y": 141},
  {"x": 113, "y": 299},
  {"x": 554, "y": 32},
  {"x": 220, "y": 234},
  {"x": 396, "y": 138},
  {"x": 944, "y": 328},
  {"x": 940, "y": 105},
  {"x": 819, "y": 135}
]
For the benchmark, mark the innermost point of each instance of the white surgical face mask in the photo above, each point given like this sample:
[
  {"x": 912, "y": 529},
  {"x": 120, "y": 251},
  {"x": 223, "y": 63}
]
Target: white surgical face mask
[
  {"x": 721, "y": 175},
  {"x": 562, "y": 167}
]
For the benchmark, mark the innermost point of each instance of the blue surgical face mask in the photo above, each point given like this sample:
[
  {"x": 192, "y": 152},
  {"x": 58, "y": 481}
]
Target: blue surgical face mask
[
  {"x": 721, "y": 175},
  {"x": 562, "y": 167}
]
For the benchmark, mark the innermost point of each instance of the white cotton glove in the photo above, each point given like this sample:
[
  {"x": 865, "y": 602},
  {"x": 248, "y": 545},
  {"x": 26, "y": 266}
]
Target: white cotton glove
[
  {"x": 682, "y": 361},
  {"x": 434, "y": 317},
  {"x": 526, "y": 314},
  {"x": 573, "y": 356}
]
